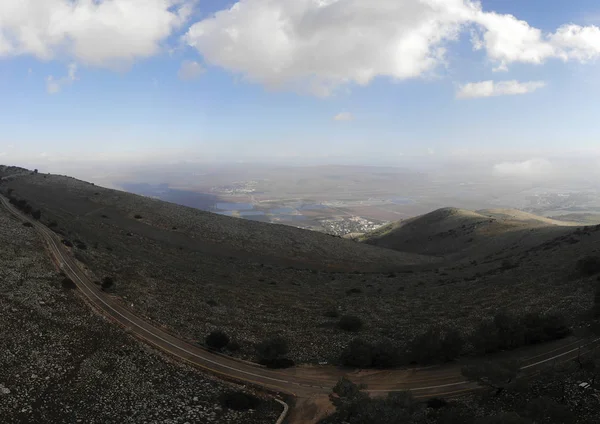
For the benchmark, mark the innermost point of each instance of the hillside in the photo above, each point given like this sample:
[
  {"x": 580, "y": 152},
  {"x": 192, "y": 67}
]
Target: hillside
[
  {"x": 61, "y": 363},
  {"x": 193, "y": 272},
  {"x": 456, "y": 232}
]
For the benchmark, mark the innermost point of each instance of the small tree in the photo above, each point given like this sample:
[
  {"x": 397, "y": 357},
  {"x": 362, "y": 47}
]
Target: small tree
[
  {"x": 217, "y": 340},
  {"x": 350, "y": 323}
]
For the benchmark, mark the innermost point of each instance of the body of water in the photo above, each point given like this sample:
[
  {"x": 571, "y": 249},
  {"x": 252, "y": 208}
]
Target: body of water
[{"x": 234, "y": 206}]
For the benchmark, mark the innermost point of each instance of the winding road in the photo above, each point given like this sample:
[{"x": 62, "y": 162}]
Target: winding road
[{"x": 301, "y": 382}]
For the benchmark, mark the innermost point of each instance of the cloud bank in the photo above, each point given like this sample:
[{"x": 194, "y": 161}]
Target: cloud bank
[
  {"x": 319, "y": 45},
  {"x": 305, "y": 45}
]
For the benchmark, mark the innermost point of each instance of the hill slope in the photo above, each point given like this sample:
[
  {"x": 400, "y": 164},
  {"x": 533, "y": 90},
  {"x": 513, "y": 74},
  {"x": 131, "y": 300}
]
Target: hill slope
[
  {"x": 193, "y": 272},
  {"x": 452, "y": 231}
]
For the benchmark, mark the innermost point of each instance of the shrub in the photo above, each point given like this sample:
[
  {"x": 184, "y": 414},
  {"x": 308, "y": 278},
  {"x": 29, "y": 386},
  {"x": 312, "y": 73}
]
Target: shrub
[
  {"x": 212, "y": 302},
  {"x": 385, "y": 355},
  {"x": 107, "y": 283},
  {"x": 233, "y": 346},
  {"x": 361, "y": 354},
  {"x": 238, "y": 401},
  {"x": 28, "y": 224},
  {"x": 350, "y": 323},
  {"x": 425, "y": 348},
  {"x": 353, "y": 291},
  {"x": 67, "y": 283},
  {"x": 67, "y": 243},
  {"x": 452, "y": 345},
  {"x": 217, "y": 340},
  {"x": 357, "y": 354},
  {"x": 507, "y": 332},
  {"x": 589, "y": 265},
  {"x": 271, "y": 349},
  {"x": 37, "y": 214},
  {"x": 138, "y": 217}
]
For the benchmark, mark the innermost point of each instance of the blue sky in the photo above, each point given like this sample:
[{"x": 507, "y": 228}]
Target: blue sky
[{"x": 79, "y": 93}]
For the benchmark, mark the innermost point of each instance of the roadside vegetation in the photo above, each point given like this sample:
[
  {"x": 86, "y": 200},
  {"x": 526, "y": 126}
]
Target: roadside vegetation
[
  {"x": 552, "y": 397},
  {"x": 503, "y": 332}
]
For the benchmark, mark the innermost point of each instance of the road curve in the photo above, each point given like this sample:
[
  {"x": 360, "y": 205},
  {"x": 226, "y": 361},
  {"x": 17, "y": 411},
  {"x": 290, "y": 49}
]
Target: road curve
[{"x": 300, "y": 381}]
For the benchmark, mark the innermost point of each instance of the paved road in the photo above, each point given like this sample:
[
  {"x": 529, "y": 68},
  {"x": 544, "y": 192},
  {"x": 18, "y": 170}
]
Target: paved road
[{"x": 301, "y": 382}]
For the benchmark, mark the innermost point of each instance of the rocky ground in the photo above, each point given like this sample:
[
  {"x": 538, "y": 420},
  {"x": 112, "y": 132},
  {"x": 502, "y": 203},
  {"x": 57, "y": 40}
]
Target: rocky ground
[{"x": 60, "y": 362}]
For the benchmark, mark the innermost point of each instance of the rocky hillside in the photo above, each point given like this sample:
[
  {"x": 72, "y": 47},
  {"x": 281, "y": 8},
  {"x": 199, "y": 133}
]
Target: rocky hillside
[{"x": 61, "y": 363}]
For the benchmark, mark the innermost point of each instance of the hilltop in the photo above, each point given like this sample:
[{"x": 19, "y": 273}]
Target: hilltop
[{"x": 453, "y": 232}]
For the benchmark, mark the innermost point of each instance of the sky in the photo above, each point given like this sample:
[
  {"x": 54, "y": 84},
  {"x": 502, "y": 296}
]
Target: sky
[{"x": 290, "y": 81}]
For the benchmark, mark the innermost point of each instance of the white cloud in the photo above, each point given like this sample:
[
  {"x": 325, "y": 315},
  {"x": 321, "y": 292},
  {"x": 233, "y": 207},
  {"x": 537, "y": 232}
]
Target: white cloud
[
  {"x": 54, "y": 85},
  {"x": 344, "y": 116},
  {"x": 528, "y": 168},
  {"x": 501, "y": 88},
  {"x": 319, "y": 45},
  {"x": 507, "y": 39},
  {"x": 107, "y": 33},
  {"x": 190, "y": 70}
]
